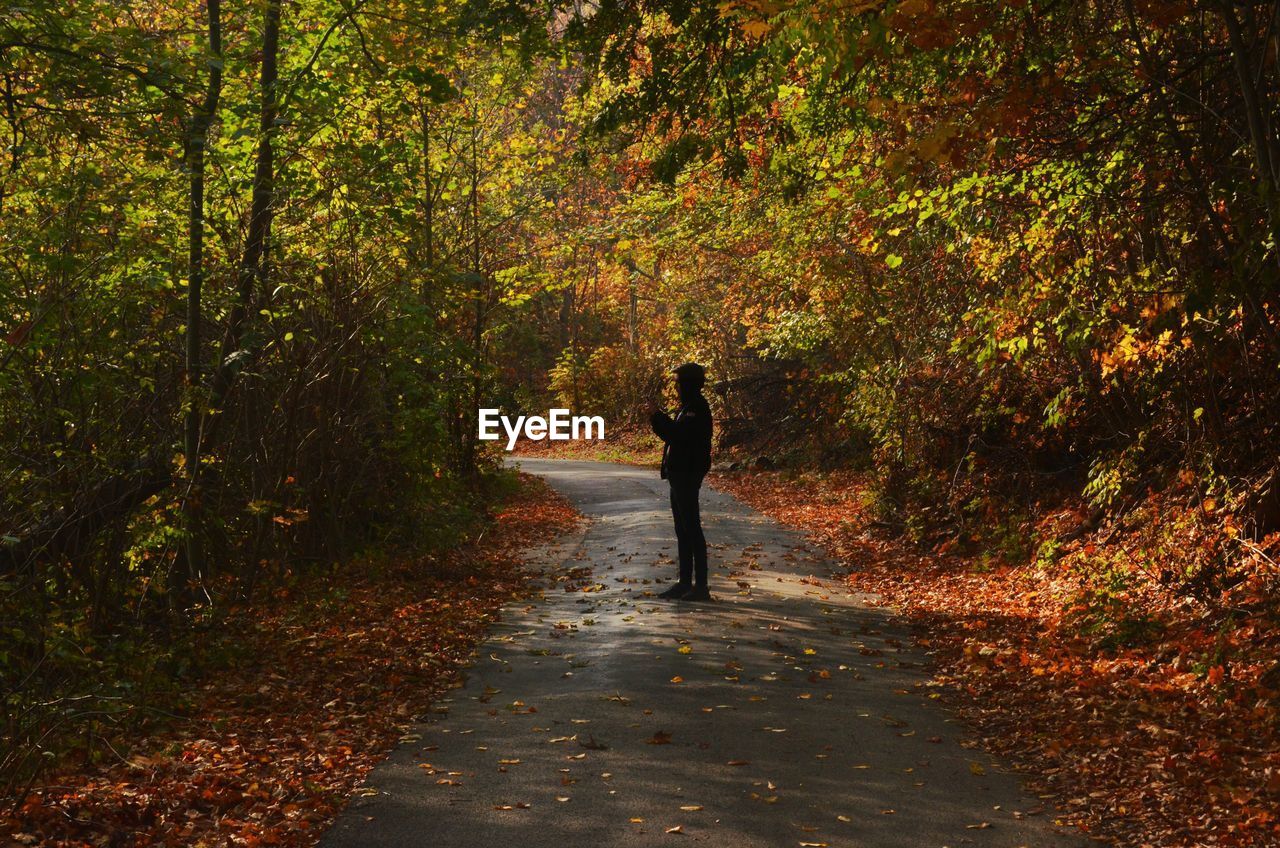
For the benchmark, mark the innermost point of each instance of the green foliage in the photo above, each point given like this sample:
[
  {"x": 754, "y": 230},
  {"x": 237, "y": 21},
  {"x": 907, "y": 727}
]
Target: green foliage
[
  {"x": 613, "y": 382},
  {"x": 976, "y": 241},
  {"x": 409, "y": 171}
]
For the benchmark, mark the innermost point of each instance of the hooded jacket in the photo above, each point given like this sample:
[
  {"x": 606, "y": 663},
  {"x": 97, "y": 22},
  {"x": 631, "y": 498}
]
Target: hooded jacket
[{"x": 687, "y": 438}]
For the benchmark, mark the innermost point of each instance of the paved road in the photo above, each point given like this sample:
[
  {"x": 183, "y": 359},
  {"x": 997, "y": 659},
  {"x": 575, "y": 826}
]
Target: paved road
[{"x": 787, "y": 713}]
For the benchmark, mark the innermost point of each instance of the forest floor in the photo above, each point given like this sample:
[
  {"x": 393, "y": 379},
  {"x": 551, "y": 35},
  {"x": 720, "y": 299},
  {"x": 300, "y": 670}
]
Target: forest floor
[
  {"x": 328, "y": 679},
  {"x": 1152, "y": 717},
  {"x": 787, "y": 711},
  {"x": 1167, "y": 739},
  {"x": 628, "y": 446}
]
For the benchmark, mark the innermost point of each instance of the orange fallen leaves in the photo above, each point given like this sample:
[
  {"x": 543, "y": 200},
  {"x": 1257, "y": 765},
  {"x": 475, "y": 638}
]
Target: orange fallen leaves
[
  {"x": 1143, "y": 745},
  {"x": 269, "y": 751}
]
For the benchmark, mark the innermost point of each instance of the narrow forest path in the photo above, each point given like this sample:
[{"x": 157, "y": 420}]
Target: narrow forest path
[{"x": 788, "y": 713}]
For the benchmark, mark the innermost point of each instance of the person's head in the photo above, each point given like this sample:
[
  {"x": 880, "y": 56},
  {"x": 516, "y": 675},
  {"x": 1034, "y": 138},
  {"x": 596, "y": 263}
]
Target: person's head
[{"x": 690, "y": 378}]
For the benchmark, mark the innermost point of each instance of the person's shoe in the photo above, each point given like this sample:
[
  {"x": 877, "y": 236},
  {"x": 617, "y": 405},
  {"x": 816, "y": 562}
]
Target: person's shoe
[
  {"x": 698, "y": 593},
  {"x": 676, "y": 592}
]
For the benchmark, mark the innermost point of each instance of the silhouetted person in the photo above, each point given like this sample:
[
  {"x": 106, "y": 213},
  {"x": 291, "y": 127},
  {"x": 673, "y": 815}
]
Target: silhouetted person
[{"x": 686, "y": 459}]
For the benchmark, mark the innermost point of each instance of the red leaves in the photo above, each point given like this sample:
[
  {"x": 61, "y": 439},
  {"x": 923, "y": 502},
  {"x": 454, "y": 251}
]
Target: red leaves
[
  {"x": 1148, "y": 744},
  {"x": 271, "y": 749},
  {"x": 18, "y": 335}
]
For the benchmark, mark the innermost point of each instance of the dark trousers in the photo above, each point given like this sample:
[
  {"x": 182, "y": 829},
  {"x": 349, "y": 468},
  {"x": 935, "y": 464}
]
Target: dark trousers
[{"x": 690, "y": 542}]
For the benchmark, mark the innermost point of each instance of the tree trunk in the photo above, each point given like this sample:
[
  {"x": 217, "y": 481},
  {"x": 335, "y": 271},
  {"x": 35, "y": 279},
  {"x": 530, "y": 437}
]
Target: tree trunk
[
  {"x": 1262, "y": 143},
  {"x": 201, "y": 119},
  {"x": 477, "y": 328},
  {"x": 251, "y": 272},
  {"x": 428, "y": 190}
]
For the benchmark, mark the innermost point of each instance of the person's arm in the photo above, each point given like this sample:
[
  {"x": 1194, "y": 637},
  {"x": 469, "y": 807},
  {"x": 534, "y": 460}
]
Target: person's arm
[
  {"x": 662, "y": 425},
  {"x": 683, "y": 431}
]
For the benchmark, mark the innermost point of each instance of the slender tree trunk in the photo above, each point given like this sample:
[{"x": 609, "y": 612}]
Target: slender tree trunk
[
  {"x": 633, "y": 303},
  {"x": 1262, "y": 140},
  {"x": 428, "y": 186},
  {"x": 201, "y": 120},
  {"x": 1254, "y": 117},
  {"x": 475, "y": 198},
  {"x": 15, "y": 134},
  {"x": 250, "y": 273},
  {"x": 1153, "y": 71},
  {"x": 477, "y": 338}
]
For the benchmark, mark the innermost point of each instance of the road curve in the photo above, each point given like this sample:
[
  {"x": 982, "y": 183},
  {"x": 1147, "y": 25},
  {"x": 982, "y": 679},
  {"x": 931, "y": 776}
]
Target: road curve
[{"x": 787, "y": 713}]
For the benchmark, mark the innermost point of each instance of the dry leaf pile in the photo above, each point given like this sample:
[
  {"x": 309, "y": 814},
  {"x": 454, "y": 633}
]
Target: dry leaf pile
[
  {"x": 1174, "y": 741},
  {"x": 273, "y": 748}
]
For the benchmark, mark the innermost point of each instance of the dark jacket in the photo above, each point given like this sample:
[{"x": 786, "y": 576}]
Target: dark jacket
[{"x": 687, "y": 451}]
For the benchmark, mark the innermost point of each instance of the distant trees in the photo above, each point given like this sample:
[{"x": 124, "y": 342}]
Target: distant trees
[
  {"x": 257, "y": 264},
  {"x": 1018, "y": 243}
]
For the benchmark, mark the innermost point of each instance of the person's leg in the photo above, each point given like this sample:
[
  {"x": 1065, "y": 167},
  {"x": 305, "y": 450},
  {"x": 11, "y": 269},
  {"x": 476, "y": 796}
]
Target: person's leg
[
  {"x": 684, "y": 499},
  {"x": 693, "y": 533},
  {"x": 684, "y": 549},
  {"x": 684, "y": 553}
]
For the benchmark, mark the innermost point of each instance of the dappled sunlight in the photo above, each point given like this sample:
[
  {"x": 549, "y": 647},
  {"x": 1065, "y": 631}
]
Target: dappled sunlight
[{"x": 786, "y": 711}]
